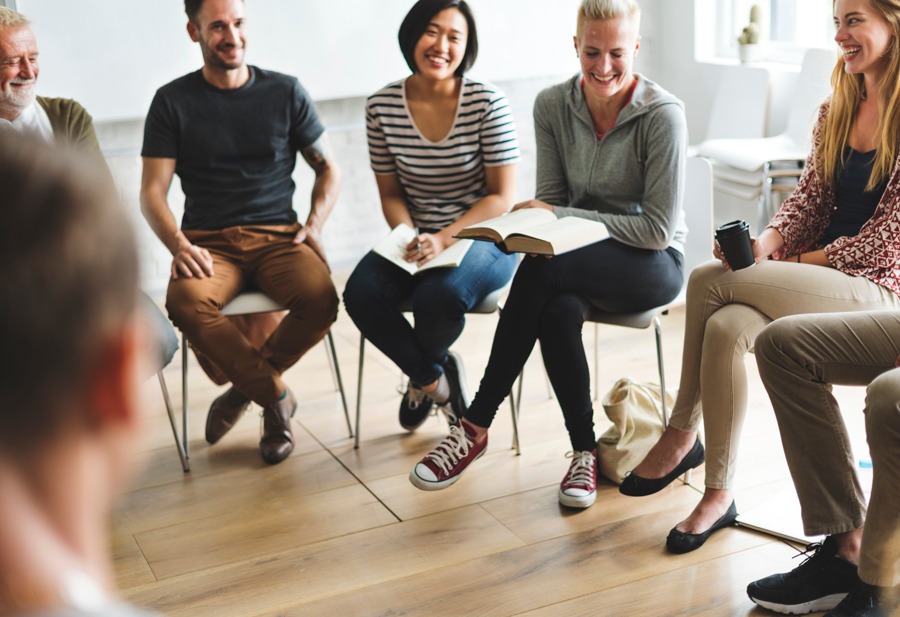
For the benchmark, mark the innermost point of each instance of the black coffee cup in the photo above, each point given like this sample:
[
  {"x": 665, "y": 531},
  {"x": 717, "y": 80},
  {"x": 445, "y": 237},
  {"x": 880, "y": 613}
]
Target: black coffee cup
[{"x": 734, "y": 240}]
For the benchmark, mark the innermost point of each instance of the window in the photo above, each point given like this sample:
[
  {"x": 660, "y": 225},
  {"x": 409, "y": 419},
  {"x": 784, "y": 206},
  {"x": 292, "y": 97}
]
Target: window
[{"x": 788, "y": 27}]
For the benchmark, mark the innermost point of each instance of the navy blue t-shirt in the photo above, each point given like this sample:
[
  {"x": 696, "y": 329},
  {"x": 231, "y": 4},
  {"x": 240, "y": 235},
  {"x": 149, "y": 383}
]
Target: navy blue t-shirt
[
  {"x": 234, "y": 150},
  {"x": 855, "y": 205}
]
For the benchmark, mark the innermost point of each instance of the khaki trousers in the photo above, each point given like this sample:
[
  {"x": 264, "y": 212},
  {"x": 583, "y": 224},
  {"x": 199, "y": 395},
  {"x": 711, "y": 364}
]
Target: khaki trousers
[
  {"x": 265, "y": 258},
  {"x": 799, "y": 359},
  {"x": 725, "y": 312}
]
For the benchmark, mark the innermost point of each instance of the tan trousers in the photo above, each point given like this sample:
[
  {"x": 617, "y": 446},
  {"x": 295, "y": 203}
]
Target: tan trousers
[
  {"x": 265, "y": 258},
  {"x": 725, "y": 312},
  {"x": 799, "y": 359}
]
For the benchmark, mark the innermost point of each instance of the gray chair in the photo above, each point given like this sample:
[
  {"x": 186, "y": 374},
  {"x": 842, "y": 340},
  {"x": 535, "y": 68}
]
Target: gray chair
[{"x": 248, "y": 302}]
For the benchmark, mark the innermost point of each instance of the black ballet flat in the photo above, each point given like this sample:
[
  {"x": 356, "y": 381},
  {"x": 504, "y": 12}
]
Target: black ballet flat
[
  {"x": 636, "y": 486},
  {"x": 679, "y": 542}
]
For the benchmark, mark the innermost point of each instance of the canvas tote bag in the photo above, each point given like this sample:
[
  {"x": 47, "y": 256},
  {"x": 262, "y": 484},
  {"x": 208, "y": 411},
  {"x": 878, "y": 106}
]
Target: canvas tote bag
[{"x": 634, "y": 410}]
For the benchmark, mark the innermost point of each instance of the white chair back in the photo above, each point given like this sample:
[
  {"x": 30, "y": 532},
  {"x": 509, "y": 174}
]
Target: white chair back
[
  {"x": 813, "y": 86},
  {"x": 741, "y": 104},
  {"x": 698, "y": 213}
]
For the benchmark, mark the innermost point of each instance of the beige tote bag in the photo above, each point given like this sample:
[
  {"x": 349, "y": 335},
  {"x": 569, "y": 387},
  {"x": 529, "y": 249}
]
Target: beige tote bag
[{"x": 634, "y": 409}]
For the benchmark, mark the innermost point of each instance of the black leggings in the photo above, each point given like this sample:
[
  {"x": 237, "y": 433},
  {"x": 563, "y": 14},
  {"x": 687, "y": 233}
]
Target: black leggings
[{"x": 548, "y": 301}]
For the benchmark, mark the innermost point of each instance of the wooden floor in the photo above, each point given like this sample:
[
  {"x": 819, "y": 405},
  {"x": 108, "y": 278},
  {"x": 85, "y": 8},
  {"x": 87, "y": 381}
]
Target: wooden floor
[{"x": 338, "y": 531}]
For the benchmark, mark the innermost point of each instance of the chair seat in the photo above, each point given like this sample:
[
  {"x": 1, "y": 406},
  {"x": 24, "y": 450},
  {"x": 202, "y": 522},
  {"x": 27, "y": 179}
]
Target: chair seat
[
  {"x": 251, "y": 302},
  {"x": 485, "y": 307},
  {"x": 639, "y": 320},
  {"x": 751, "y": 154}
]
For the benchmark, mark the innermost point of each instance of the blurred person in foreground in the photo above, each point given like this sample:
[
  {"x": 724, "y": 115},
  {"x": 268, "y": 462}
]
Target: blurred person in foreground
[{"x": 71, "y": 364}]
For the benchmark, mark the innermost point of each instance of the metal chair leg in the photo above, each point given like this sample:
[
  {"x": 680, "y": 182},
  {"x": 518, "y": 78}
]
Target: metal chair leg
[
  {"x": 184, "y": 397},
  {"x": 182, "y": 453},
  {"x": 359, "y": 381},
  {"x": 336, "y": 373},
  {"x": 686, "y": 478},
  {"x": 662, "y": 371},
  {"x": 514, "y": 409},
  {"x": 332, "y": 362}
]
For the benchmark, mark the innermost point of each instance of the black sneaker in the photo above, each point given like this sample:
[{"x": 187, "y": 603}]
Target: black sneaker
[
  {"x": 415, "y": 407},
  {"x": 867, "y": 601},
  {"x": 455, "y": 407},
  {"x": 817, "y": 584}
]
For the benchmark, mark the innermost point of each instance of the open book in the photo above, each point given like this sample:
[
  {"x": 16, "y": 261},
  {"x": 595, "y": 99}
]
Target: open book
[
  {"x": 538, "y": 231},
  {"x": 393, "y": 248}
]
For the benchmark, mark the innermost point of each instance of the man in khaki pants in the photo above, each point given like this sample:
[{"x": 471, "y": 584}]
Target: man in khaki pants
[
  {"x": 856, "y": 570},
  {"x": 232, "y": 132}
]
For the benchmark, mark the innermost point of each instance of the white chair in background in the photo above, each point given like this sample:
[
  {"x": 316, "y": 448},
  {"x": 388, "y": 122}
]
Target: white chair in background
[
  {"x": 755, "y": 169},
  {"x": 740, "y": 107}
]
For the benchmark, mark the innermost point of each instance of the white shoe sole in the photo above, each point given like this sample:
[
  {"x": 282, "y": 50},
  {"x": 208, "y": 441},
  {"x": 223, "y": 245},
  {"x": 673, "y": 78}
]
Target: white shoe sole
[
  {"x": 427, "y": 485},
  {"x": 571, "y": 501},
  {"x": 824, "y": 603}
]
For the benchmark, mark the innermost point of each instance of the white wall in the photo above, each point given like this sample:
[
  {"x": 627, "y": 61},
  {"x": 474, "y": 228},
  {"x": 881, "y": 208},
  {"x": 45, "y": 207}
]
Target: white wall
[{"x": 112, "y": 55}]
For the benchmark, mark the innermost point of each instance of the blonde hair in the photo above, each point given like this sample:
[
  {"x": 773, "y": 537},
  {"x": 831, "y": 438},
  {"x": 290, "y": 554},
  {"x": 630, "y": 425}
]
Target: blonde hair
[
  {"x": 607, "y": 9},
  {"x": 11, "y": 19},
  {"x": 847, "y": 92}
]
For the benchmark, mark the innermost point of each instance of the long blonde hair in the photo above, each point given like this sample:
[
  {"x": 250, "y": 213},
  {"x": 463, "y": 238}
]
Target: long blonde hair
[{"x": 847, "y": 92}]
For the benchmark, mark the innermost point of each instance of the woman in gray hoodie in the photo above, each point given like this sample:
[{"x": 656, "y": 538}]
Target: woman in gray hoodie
[{"x": 610, "y": 147}]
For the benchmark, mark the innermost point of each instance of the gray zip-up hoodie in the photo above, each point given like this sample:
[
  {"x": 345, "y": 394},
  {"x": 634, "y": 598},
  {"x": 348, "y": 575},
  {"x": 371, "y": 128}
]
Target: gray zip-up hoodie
[{"x": 632, "y": 180}]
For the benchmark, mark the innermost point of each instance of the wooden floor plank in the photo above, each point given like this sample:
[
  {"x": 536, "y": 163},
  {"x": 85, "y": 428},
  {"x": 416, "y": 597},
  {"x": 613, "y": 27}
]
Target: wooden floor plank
[
  {"x": 333, "y": 567},
  {"x": 715, "y": 588},
  {"x": 532, "y": 576},
  {"x": 280, "y": 522}
]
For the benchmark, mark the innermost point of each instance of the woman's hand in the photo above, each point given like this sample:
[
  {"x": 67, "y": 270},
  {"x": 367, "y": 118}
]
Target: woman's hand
[
  {"x": 424, "y": 248},
  {"x": 532, "y": 203},
  {"x": 759, "y": 252},
  {"x": 768, "y": 242}
]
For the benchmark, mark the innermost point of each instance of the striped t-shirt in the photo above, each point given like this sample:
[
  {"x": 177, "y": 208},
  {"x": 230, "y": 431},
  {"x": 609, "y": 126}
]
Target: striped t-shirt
[{"x": 442, "y": 180}]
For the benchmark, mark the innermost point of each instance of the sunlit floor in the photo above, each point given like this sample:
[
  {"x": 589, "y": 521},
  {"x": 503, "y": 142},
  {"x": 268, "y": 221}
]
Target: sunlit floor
[{"x": 338, "y": 531}]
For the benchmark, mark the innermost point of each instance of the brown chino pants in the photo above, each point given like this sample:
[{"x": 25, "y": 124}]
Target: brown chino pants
[
  {"x": 264, "y": 258},
  {"x": 799, "y": 359}
]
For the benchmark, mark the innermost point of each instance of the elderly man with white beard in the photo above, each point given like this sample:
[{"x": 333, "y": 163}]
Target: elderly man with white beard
[{"x": 58, "y": 121}]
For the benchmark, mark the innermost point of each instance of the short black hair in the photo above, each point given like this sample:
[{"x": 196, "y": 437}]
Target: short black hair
[
  {"x": 192, "y": 7},
  {"x": 417, "y": 20}
]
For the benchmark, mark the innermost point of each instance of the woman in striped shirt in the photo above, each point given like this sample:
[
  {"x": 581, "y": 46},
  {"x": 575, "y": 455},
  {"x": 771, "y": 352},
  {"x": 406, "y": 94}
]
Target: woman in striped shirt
[{"x": 444, "y": 151}]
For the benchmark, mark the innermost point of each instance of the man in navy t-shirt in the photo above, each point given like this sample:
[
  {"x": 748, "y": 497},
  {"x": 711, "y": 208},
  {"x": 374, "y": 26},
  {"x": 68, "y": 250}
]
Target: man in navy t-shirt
[{"x": 232, "y": 132}]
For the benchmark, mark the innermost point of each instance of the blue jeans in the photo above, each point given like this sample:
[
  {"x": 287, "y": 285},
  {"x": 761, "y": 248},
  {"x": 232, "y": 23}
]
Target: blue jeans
[{"x": 440, "y": 299}]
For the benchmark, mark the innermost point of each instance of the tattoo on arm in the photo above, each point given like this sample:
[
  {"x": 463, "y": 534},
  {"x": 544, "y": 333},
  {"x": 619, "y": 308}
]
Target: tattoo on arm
[{"x": 317, "y": 154}]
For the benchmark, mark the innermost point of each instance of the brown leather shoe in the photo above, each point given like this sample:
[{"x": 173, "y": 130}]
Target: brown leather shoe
[
  {"x": 277, "y": 441},
  {"x": 224, "y": 414}
]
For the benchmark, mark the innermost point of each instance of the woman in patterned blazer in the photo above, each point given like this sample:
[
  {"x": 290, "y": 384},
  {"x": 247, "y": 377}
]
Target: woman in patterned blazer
[{"x": 833, "y": 246}]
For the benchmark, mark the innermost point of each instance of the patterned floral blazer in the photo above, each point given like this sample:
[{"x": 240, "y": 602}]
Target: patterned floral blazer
[{"x": 874, "y": 253}]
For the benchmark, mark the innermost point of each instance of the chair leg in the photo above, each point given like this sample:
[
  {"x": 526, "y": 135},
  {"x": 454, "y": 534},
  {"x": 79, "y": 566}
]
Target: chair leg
[
  {"x": 182, "y": 453},
  {"x": 336, "y": 373},
  {"x": 514, "y": 409},
  {"x": 184, "y": 397},
  {"x": 657, "y": 327},
  {"x": 332, "y": 361},
  {"x": 359, "y": 382},
  {"x": 686, "y": 478}
]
